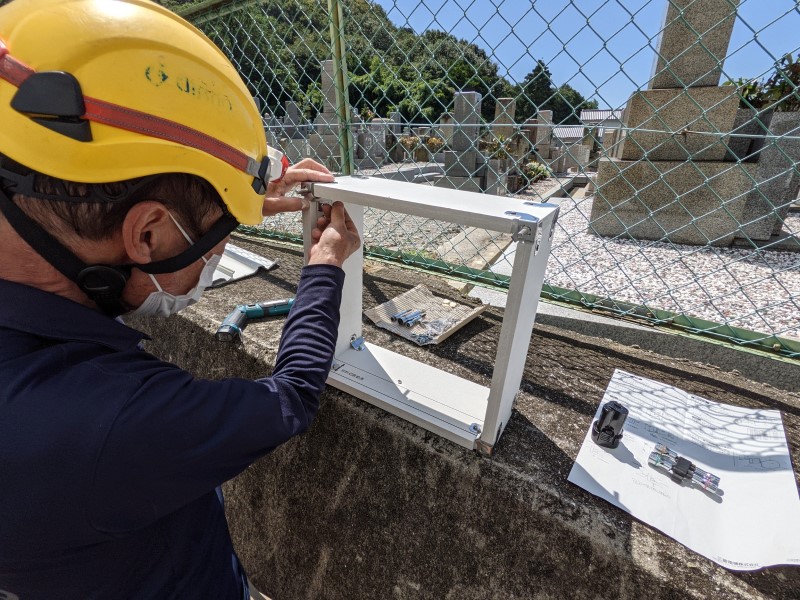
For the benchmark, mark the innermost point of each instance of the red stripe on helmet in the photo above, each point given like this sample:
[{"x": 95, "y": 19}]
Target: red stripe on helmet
[
  {"x": 12, "y": 70},
  {"x": 114, "y": 115},
  {"x": 129, "y": 119}
]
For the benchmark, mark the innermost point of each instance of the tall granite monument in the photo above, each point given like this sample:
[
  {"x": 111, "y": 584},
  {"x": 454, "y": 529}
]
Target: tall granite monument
[{"x": 668, "y": 179}]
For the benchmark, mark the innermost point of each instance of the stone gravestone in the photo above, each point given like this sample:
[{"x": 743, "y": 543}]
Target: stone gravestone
[
  {"x": 544, "y": 129},
  {"x": 671, "y": 181},
  {"x": 529, "y": 131},
  {"x": 293, "y": 118},
  {"x": 557, "y": 162},
  {"x": 396, "y": 151},
  {"x": 396, "y": 122},
  {"x": 272, "y": 127},
  {"x": 500, "y": 171},
  {"x": 447, "y": 128},
  {"x": 544, "y": 134},
  {"x": 325, "y": 139},
  {"x": 294, "y": 144},
  {"x": 693, "y": 43},
  {"x": 767, "y": 206},
  {"x": 504, "y": 112},
  {"x": 611, "y": 142},
  {"x": 373, "y": 143},
  {"x": 379, "y": 130},
  {"x": 461, "y": 162}
]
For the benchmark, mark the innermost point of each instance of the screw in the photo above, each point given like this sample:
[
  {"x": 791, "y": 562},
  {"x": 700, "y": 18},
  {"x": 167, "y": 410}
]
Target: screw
[{"x": 397, "y": 316}]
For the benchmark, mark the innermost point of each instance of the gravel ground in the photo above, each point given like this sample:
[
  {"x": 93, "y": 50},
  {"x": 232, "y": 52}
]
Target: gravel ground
[{"x": 756, "y": 290}]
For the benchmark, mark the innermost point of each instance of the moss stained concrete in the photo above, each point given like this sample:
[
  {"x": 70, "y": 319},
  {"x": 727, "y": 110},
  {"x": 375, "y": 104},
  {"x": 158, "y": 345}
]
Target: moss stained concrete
[{"x": 368, "y": 506}]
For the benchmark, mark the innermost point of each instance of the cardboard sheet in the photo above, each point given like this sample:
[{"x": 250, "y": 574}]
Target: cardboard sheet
[
  {"x": 754, "y": 523},
  {"x": 443, "y": 317}
]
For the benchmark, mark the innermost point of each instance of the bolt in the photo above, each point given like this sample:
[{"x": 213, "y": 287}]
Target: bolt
[{"x": 397, "y": 316}]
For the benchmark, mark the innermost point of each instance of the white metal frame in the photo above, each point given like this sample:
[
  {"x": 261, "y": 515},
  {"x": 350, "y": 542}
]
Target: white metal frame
[{"x": 469, "y": 414}]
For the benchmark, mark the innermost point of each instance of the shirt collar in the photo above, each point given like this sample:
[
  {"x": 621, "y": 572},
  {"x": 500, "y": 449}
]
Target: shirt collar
[{"x": 51, "y": 316}]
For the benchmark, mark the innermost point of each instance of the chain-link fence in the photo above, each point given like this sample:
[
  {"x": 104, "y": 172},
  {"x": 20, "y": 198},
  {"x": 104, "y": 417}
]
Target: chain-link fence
[{"x": 667, "y": 130}]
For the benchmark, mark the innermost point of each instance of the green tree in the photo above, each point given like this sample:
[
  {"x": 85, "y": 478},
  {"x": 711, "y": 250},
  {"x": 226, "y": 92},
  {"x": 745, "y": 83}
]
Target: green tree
[
  {"x": 278, "y": 48},
  {"x": 538, "y": 92},
  {"x": 535, "y": 91}
]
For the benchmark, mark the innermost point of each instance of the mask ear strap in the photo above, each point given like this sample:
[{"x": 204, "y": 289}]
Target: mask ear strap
[
  {"x": 155, "y": 282},
  {"x": 221, "y": 229},
  {"x": 102, "y": 283}
]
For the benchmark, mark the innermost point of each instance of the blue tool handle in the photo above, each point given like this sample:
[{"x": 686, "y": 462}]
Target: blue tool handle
[{"x": 232, "y": 325}]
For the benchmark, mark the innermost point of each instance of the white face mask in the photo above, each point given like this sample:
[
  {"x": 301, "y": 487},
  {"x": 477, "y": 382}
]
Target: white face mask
[{"x": 164, "y": 304}]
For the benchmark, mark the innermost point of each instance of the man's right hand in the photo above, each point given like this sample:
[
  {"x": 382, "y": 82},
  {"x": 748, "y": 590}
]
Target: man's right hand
[{"x": 335, "y": 237}]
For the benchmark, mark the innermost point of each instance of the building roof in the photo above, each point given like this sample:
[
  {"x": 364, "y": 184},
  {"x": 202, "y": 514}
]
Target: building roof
[
  {"x": 595, "y": 115},
  {"x": 568, "y": 132}
]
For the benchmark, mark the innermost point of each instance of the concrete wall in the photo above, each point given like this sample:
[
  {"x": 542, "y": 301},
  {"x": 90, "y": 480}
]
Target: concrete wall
[{"x": 366, "y": 505}]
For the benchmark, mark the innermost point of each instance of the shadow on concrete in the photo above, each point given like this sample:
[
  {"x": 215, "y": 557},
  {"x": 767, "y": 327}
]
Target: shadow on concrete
[{"x": 366, "y": 505}]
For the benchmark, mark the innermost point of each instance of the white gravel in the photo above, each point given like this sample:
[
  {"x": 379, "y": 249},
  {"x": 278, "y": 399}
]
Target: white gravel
[{"x": 745, "y": 288}]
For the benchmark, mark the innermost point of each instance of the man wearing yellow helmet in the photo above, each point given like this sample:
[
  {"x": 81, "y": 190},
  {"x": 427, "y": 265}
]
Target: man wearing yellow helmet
[{"x": 129, "y": 150}]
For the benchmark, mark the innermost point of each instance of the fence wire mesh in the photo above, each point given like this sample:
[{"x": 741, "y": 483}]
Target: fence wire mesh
[{"x": 668, "y": 131}]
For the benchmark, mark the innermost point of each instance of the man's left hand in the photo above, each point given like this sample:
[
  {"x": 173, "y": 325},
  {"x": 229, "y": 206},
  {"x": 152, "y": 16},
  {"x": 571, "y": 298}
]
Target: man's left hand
[{"x": 307, "y": 170}]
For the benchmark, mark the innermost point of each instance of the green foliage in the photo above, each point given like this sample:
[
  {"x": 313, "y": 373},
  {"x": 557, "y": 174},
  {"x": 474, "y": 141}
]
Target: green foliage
[
  {"x": 499, "y": 147},
  {"x": 278, "y": 47},
  {"x": 176, "y": 5},
  {"x": 780, "y": 91},
  {"x": 538, "y": 92},
  {"x": 751, "y": 92},
  {"x": 535, "y": 171}
]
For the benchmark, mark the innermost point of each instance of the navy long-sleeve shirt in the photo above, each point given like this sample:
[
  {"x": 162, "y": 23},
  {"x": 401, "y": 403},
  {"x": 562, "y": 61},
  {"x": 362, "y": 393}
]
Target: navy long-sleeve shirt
[{"x": 109, "y": 457}]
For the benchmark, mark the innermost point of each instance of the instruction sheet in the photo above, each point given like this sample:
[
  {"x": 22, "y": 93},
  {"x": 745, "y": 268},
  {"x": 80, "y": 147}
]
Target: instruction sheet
[{"x": 754, "y": 520}]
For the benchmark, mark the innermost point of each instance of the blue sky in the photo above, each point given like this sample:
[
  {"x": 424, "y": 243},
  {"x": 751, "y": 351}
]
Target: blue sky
[{"x": 602, "y": 48}]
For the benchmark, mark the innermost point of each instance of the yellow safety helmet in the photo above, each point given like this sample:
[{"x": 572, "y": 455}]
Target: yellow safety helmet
[{"x": 96, "y": 91}]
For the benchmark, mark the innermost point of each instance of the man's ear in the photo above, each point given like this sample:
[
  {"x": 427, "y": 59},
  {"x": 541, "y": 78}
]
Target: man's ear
[{"x": 147, "y": 232}]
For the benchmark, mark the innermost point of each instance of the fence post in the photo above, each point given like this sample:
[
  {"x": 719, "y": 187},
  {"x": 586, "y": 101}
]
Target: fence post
[{"x": 342, "y": 83}]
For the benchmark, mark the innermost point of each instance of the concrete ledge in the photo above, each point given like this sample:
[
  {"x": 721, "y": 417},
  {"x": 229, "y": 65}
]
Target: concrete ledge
[
  {"x": 366, "y": 505},
  {"x": 755, "y": 365}
]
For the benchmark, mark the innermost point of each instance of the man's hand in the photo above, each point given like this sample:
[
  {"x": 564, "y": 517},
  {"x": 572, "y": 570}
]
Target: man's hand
[
  {"x": 276, "y": 201},
  {"x": 335, "y": 237}
]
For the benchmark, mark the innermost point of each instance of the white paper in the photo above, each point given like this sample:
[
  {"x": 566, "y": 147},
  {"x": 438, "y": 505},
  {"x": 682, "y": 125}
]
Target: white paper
[{"x": 754, "y": 523}]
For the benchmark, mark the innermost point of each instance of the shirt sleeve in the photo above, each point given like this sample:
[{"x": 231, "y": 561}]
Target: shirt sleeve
[{"x": 177, "y": 437}]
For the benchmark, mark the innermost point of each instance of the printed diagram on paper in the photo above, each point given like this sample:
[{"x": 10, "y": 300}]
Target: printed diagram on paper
[{"x": 753, "y": 523}]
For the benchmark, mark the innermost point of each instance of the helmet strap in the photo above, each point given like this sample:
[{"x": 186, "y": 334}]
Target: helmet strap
[{"x": 104, "y": 284}]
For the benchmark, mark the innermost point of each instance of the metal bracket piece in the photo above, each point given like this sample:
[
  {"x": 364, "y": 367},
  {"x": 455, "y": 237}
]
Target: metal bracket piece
[
  {"x": 357, "y": 343},
  {"x": 307, "y": 189},
  {"x": 525, "y": 226},
  {"x": 555, "y": 216}
]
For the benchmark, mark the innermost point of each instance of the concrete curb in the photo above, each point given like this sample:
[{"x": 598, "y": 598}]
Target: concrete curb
[{"x": 775, "y": 371}]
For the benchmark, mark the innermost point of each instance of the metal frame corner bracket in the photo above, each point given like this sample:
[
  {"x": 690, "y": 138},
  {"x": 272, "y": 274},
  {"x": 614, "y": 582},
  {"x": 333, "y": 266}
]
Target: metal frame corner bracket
[{"x": 525, "y": 226}]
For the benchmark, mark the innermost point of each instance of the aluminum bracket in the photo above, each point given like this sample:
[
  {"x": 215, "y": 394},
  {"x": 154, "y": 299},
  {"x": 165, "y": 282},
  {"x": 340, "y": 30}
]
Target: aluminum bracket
[{"x": 525, "y": 226}]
